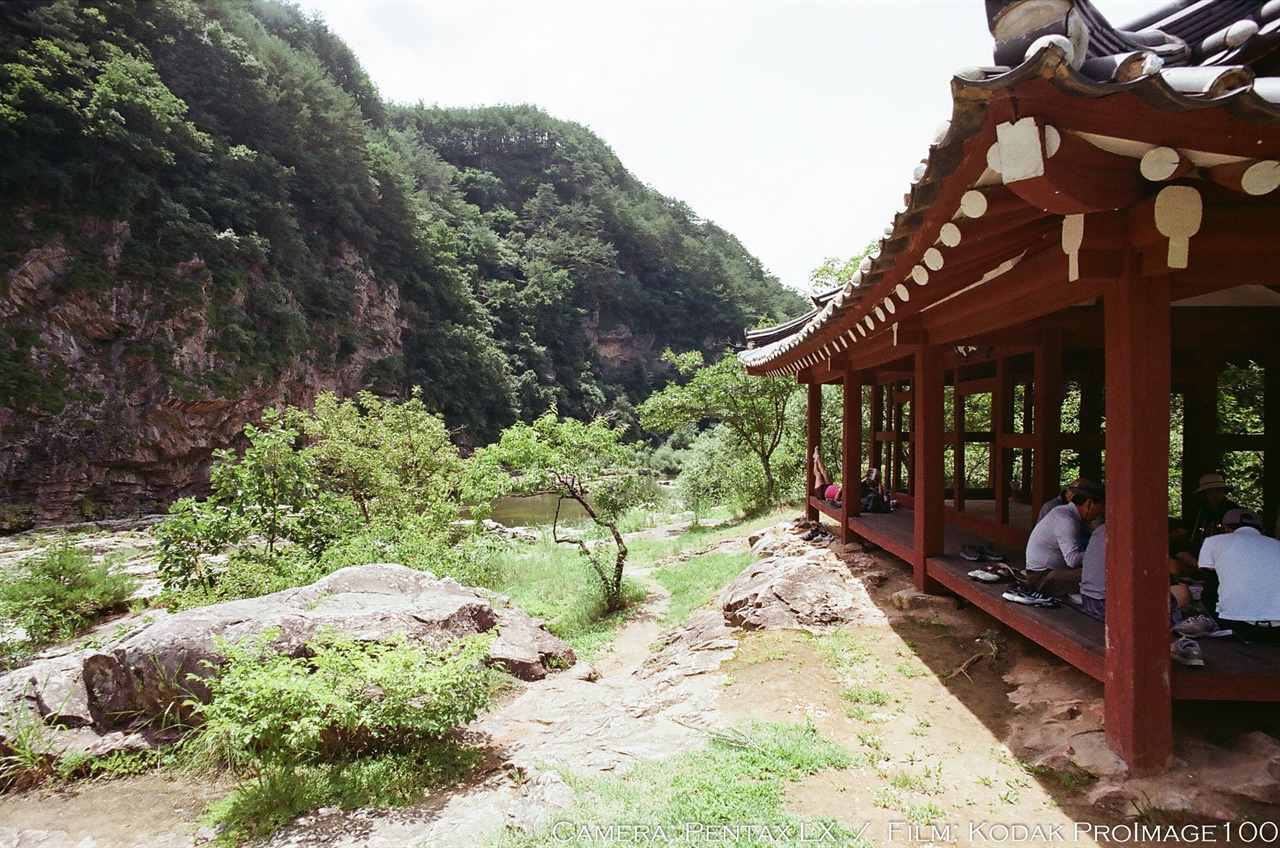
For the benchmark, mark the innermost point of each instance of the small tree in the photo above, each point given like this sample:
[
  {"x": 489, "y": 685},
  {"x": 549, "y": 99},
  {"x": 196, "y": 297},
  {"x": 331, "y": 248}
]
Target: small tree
[
  {"x": 753, "y": 408},
  {"x": 395, "y": 460},
  {"x": 582, "y": 462},
  {"x": 270, "y": 493}
]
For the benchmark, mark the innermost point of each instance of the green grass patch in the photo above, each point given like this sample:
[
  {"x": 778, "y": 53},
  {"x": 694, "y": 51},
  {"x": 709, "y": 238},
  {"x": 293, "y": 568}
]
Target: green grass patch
[
  {"x": 858, "y": 694},
  {"x": 695, "y": 581},
  {"x": 840, "y": 650},
  {"x": 556, "y": 584},
  {"x": 705, "y": 796}
]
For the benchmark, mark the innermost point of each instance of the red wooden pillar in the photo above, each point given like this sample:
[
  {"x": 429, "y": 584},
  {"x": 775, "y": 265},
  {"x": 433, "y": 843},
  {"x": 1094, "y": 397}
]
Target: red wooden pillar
[
  {"x": 928, "y": 455},
  {"x": 813, "y": 439},
  {"x": 958, "y": 456},
  {"x": 1139, "y": 718},
  {"x": 877, "y": 425},
  {"x": 851, "y": 459},
  {"x": 1091, "y": 400},
  {"x": 1001, "y": 425},
  {"x": 1047, "y": 424}
]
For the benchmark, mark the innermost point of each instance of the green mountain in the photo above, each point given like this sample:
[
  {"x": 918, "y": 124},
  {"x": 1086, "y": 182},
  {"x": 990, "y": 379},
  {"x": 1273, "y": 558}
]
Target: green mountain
[{"x": 206, "y": 209}]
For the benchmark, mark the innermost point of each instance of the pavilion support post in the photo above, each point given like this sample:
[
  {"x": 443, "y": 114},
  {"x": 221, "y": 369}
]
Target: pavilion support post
[
  {"x": 1047, "y": 424},
  {"x": 1001, "y": 424},
  {"x": 877, "y": 425},
  {"x": 1199, "y": 434},
  {"x": 813, "y": 440},
  {"x": 958, "y": 455},
  {"x": 851, "y": 459},
  {"x": 928, "y": 460},
  {"x": 1271, "y": 444},
  {"x": 1138, "y": 708},
  {"x": 1091, "y": 402}
]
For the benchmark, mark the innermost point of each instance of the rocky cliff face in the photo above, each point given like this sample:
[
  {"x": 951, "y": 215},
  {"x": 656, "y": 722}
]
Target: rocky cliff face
[{"x": 134, "y": 425}]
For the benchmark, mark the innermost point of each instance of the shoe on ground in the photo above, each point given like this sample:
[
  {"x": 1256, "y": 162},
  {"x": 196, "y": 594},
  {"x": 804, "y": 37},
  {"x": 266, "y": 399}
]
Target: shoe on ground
[
  {"x": 990, "y": 554},
  {"x": 1030, "y": 597},
  {"x": 1200, "y": 625},
  {"x": 1186, "y": 651},
  {"x": 971, "y": 552},
  {"x": 984, "y": 576}
]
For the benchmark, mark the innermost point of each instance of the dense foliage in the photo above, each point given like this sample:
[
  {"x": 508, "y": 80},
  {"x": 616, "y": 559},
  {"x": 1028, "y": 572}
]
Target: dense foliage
[
  {"x": 345, "y": 483},
  {"x": 752, "y": 409},
  {"x": 234, "y": 159}
]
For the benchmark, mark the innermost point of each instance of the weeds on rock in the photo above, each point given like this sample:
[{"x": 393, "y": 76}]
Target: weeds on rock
[
  {"x": 350, "y": 725},
  {"x": 26, "y": 752},
  {"x": 56, "y": 593}
]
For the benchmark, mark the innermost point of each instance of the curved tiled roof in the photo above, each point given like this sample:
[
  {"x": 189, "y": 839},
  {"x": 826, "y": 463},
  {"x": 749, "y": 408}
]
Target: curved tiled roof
[{"x": 1178, "y": 59}]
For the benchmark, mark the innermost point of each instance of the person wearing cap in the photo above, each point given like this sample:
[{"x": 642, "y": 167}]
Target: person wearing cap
[
  {"x": 1213, "y": 505},
  {"x": 1054, "y": 555},
  {"x": 1061, "y": 500},
  {"x": 1248, "y": 567}
]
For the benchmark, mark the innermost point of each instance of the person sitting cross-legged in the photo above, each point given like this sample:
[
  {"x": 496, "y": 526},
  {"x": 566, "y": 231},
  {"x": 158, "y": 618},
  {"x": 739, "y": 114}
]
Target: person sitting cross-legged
[
  {"x": 1248, "y": 567},
  {"x": 1054, "y": 556},
  {"x": 1093, "y": 581}
]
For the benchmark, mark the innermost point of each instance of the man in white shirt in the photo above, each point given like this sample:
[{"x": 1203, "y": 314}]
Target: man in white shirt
[
  {"x": 1054, "y": 556},
  {"x": 1248, "y": 568}
]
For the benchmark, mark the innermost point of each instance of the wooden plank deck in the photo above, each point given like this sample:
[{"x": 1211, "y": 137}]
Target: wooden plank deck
[{"x": 1233, "y": 670}]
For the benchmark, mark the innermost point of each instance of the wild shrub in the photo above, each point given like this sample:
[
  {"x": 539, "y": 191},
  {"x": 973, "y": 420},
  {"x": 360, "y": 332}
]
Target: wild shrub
[
  {"x": 351, "y": 724},
  {"x": 54, "y": 594},
  {"x": 268, "y": 498},
  {"x": 472, "y": 560}
]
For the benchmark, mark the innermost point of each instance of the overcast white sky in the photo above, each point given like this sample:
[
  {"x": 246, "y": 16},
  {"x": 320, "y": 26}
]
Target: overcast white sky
[{"x": 794, "y": 125}]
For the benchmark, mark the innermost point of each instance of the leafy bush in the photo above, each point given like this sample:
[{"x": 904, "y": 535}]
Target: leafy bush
[
  {"x": 394, "y": 460},
  {"x": 718, "y": 471},
  {"x": 333, "y": 726},
  {"x": 270, "y": 495},
  {"x": 54, "y": 594},
  {"x": 472, "y": 560}
]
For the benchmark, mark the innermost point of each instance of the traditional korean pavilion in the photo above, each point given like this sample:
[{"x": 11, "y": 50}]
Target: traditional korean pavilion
[{"x": 1098, "y": 223}]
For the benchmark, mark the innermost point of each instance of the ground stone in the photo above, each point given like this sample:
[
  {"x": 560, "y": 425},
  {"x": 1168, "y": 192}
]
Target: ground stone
[{"x": 911, "y": 599}]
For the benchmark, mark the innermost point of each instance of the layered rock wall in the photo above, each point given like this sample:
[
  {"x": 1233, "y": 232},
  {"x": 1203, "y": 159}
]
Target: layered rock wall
[{"x": 134, "y": 418}]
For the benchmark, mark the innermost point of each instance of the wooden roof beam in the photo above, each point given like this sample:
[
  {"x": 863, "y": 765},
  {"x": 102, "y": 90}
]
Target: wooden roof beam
[
  {"x": 1060, "y": 172},
  {"x": 1035, "y": 287}
]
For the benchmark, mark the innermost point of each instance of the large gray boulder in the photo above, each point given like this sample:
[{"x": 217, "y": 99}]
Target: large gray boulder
[
  {"x": 149, "y": 678},
  {"x": 798, "y": 585}
]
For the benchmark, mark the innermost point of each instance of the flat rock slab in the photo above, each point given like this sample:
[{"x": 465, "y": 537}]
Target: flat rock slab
[{"x": 89, "y": 697}]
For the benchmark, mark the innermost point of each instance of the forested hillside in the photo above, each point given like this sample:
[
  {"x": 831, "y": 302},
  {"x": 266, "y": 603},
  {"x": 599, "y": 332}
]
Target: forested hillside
[{"x": 206, "y": 209}]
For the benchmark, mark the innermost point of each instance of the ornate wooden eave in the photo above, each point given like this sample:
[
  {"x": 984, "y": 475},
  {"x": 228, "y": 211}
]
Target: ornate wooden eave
[{"x": 1036, "y": 166}]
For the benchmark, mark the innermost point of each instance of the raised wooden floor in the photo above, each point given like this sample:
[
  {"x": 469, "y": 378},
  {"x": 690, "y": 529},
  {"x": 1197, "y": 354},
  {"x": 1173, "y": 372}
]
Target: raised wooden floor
[{"x": 1233, "y": 670}]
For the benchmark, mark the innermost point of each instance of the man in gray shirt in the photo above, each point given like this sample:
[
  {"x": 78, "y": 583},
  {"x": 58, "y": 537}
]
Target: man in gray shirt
[
  {"x": 1054, "y": 557},
  {"x": 1093, "y": 580}
]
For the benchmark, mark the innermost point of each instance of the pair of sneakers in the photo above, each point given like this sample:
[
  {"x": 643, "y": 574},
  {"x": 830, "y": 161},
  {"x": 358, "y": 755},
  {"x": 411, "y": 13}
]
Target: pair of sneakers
[
  {"x": 1186, "y": 650},
  {"x": 1021, "y": 593},
  {"x": 981, "y": 553},
  {"x": 1198, "y": 625}
]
